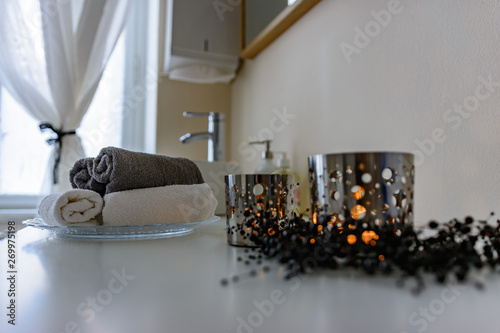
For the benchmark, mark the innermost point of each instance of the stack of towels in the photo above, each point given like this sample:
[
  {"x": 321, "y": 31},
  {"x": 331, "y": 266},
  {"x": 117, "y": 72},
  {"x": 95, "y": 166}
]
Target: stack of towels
[{"x": 121, "y": 187}]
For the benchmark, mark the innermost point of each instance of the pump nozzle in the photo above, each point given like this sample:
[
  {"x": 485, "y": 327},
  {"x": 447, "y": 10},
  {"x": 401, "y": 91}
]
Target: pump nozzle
[{"x": 267, "y": 154}]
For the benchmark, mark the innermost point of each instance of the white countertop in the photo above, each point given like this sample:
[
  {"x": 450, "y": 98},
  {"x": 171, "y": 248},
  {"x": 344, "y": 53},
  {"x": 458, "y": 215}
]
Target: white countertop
[
  {"x": 7, "y": 215},
  {"x": 173, "y": 285}
]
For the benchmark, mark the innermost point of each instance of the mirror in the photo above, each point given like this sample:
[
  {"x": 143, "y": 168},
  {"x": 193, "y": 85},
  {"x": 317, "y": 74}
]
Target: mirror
[{"x": 263, "y": 21}]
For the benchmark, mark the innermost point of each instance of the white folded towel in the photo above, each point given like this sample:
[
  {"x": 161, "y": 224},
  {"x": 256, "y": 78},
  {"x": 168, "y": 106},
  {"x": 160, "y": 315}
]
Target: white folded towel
[
  {"x": 159, "y": 205},
  {"x": 73, "y": 207}
]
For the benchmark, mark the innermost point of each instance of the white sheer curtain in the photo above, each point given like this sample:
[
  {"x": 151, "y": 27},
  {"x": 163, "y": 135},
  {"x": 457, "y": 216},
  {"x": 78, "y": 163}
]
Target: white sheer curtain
[{"x": 56, "y": 86}]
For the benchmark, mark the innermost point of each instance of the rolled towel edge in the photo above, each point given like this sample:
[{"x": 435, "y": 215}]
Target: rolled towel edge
[{"x": 73, "y": 207}]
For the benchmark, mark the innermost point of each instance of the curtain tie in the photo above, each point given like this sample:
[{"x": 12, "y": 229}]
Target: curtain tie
[{"x": 58, "y": 142}]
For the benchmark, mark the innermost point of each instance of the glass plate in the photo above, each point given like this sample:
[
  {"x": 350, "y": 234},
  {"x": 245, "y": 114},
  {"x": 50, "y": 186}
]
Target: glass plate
[{"x": 120, "y": 232}]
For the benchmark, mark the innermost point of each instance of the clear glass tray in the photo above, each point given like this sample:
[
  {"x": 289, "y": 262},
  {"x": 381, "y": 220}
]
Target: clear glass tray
[{"x": 120, "y": 232}]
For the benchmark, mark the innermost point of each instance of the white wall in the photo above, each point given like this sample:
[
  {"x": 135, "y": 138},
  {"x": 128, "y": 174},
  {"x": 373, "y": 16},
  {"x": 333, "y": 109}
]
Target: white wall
[{"x": 393, "y": 94}]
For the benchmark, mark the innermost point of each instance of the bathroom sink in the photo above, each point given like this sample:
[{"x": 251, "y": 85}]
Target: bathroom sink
[{"x": 213, "y": 174}]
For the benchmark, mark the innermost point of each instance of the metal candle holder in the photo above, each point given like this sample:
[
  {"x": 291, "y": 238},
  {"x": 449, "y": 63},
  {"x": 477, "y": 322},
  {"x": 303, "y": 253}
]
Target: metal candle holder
[
  {"x": 251, "y": 195},
  {"x": 371, "y": 187}
]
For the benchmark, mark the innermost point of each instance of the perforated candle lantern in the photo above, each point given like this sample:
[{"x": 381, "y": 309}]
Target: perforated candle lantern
[
  {"x": 256, "y": 195},
  {"x": 372, "y": 187}
]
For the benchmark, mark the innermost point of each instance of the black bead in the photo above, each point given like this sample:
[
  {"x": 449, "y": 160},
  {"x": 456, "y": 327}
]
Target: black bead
[{"x": 433, "y": 224}]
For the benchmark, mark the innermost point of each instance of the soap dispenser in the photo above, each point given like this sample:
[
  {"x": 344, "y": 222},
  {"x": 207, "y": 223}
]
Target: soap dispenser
[
  {"x": 283, "y": 165},
  {"x": 267, "y": 166},
  {"x": 284, "y": 168}
]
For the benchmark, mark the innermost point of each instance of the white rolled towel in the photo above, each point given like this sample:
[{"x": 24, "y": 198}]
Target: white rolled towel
[
  {"x": 73, "y": 207},
  {"x": 159, "y": 205}
]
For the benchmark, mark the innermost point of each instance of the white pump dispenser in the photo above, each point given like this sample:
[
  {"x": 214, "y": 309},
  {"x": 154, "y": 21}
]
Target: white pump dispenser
[
  {"x": 267, "y": 166},
  {"x": 284, "y": 168},
  {"x": 283, "y": 164}
]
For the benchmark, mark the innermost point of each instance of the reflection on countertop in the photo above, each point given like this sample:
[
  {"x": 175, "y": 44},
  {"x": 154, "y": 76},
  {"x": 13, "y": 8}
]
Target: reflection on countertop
[
  {"x": 16, "y": 215},
  {"x": 174, "y": 285}
]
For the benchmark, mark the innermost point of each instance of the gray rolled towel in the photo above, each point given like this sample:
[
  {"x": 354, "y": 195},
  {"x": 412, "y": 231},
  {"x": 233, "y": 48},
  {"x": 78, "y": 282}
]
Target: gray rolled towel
[
  {"x": 80, "y": 176},
  {"x": 122, "y": 170}
]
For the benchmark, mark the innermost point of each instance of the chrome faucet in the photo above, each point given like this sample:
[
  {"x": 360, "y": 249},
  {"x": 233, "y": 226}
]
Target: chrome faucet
[{"x": 215, "y": 134}]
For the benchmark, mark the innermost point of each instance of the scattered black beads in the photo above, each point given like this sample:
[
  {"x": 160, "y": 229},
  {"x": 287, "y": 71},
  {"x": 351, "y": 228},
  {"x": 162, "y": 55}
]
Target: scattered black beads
[{"x": 302, "y": 246}]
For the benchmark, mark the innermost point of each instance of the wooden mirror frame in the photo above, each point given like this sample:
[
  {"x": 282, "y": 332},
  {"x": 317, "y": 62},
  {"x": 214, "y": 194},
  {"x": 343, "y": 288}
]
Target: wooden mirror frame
[{"x": 274, "y": 29}]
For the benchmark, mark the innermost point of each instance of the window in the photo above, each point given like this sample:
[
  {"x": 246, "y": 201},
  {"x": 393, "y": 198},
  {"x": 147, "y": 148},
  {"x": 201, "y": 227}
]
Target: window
[{"x": 23, "y": 150}]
